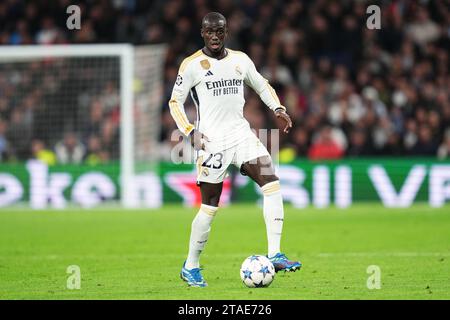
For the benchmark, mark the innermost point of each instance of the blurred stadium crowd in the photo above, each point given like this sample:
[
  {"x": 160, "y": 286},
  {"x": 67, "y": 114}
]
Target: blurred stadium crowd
[{"x": 350, "y": 91}]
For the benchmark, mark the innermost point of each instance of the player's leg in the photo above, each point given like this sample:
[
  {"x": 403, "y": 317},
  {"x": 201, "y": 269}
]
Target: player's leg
[
  {"x": 261, "y": 171},
  {"x": 201, "y": 225},
  {"x": 211, "y": 171},
  {"x": 200, "y": 228}
]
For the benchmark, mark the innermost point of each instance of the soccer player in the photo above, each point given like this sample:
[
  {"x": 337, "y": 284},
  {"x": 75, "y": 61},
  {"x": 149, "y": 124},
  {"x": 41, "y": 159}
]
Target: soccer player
[{"x": 215, "y": 77}]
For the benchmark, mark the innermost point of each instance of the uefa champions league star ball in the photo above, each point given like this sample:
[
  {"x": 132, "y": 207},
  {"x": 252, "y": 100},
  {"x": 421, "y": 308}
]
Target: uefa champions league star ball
[{"x": 257, "y": 271}]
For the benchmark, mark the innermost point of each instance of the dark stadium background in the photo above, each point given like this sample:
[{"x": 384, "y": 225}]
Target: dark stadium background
[{"x": 351, "y": 91}]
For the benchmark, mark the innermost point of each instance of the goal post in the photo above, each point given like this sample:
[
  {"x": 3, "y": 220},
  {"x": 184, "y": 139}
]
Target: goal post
[{"x": 129, "y": 66}]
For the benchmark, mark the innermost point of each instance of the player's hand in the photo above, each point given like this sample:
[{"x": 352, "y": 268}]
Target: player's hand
[
  {"x": 281, "y": 113},
  {"x": 198, "y": 140}
]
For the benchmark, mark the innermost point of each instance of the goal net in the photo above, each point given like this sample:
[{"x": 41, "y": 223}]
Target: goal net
[{"x": 81, "y": 124}]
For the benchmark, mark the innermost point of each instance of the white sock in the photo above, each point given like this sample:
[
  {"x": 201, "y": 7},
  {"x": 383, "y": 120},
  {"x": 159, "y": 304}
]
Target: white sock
[
  {"x": 201, "y": 225},
  {"x": 273, "y": 215}
]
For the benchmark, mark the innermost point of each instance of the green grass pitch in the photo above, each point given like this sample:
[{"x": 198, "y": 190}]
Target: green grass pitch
[{"x": 138, "y": 254}]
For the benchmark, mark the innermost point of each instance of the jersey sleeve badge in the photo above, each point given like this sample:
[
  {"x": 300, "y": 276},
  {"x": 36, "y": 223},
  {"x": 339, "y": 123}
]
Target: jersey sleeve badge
[{"x": 179, "y": 80}]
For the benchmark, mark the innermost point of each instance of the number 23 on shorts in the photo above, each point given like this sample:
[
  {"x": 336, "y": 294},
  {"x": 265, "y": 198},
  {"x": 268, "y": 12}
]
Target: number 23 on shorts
[{"x": 214, "y": 160}]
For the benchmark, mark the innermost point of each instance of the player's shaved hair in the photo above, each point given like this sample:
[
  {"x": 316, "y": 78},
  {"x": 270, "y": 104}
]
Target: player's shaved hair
[{"x": 214, "y": 18}]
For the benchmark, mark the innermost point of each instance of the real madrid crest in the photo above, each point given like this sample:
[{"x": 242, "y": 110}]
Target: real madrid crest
[{"x": 205, "y": 64}]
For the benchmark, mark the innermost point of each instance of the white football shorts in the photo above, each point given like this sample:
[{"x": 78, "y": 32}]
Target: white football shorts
[{"x": 212, "y": 166}]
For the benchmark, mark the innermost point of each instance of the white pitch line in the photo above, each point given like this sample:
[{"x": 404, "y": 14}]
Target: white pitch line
[
  {"x": 384, "y": 254},
  {"x": 234, "y": 255}
]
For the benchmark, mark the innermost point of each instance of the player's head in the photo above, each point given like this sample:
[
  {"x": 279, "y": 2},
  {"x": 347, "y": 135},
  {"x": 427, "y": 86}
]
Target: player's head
[{"x": 214, "y": 31}]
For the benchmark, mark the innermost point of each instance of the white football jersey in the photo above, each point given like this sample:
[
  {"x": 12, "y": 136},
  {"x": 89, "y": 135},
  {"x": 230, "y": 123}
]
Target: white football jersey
[{"x": 217, "y": 88}]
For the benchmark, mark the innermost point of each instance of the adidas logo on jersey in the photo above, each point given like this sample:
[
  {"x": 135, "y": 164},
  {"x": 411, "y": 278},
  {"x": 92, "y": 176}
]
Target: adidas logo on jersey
[{"x": 209, "y": 73}]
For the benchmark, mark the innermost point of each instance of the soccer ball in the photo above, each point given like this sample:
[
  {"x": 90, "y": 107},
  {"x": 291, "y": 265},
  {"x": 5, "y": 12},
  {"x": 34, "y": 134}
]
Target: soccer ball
[{"x": 257, "y": 271}]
